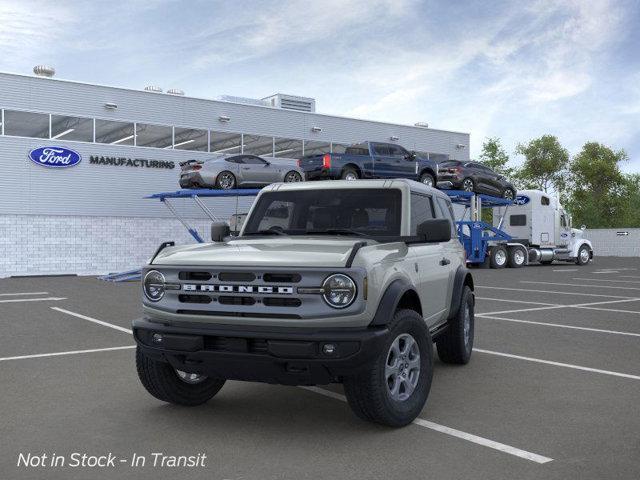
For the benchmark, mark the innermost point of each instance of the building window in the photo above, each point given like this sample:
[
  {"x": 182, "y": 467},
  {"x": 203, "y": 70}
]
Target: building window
[
  {"x": 157, "y": 136},
  {"x": 257, "y": 145},
  {"x": 224, "y": 142},
  {"x": 26, "y": 124},
  {"x": 72, "y": 128},
  {"x": 316, "y": 148},
  {"x": 190, "y": 139},
  {"x": 287, "y": 148},
  {"x": 114, "y": 133},
  {"x": 338, "y": 147}
]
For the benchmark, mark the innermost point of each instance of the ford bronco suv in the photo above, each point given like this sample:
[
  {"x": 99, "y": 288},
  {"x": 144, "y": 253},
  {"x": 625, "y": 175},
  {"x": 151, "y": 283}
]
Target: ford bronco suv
[{"x": 327, "y": 282}]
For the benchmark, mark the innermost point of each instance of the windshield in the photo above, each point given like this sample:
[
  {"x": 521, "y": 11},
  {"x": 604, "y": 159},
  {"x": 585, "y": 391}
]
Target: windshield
[{"x": 358, "y": 211}]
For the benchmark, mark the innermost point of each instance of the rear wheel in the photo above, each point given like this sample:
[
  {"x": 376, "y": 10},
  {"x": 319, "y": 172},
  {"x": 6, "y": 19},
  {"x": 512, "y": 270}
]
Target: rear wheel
[
  {"x": 226, "y": 180},
  {"x": 292, "y": 177},
  {"x": 349, "y": 174},
  {"x": 174, "y": 386},
  {"x": 498, "y": 257},
  {"x": 517, "y": 257},
  {"x": 468, "y": 185},
  {"x": 456, "y": 344},
  {"x": 394, "y": 387},
  {"x": 508, "y": 194},
  {"x": 427, "y": 179}
]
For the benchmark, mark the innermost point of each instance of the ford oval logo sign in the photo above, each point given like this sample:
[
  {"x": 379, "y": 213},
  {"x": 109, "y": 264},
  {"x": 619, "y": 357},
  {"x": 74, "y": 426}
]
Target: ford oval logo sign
[
  {"x": 521, "y": 200},
  {"x": 56, "y": 157}
]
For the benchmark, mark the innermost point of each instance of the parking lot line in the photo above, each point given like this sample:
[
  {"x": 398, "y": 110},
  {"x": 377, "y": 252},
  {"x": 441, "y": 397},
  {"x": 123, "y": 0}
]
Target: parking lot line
[
  {"x": 94, "y": 320},
  {"x": 558, "y": 364},
  {"x": 23, "y": 293},
  {"x": 577, "y": 305},
  {"x": 566, "y": 269},
  {"x": 604, "y": 280},
  {"x": 559, "y": 325},
  {"x": 555, "y": 292},
  {"x": 45, "y": 299},
  {"x": 71, "y": 352},
  {"x": 515, "y": 301},
  {"x": 485, "y": 442},
  {"x": 527, "y": 309},
  {"x": 579, "y": 285}
]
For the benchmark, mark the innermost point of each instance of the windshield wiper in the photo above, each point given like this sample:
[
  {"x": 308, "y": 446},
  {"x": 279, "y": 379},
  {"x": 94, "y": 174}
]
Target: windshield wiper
[{"x": 337, "y": 231}]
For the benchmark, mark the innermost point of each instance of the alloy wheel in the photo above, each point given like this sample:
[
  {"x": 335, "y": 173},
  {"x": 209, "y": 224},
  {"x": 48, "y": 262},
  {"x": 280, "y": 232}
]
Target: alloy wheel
[
  {"x": 402, "y": 367},
  {"x": 226, "y": 181},
  {"x": 467, "y": 185},
  {"x": 293, "y": 177}
]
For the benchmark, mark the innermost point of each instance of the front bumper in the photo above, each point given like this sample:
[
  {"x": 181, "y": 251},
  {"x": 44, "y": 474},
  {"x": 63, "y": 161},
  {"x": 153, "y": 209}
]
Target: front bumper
[{"x": 288, "y": 356}]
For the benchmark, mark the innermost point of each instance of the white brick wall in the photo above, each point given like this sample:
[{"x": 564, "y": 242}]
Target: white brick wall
[
  {"x": 611, "y": 242},
  {"x": 46, "y": 245}
]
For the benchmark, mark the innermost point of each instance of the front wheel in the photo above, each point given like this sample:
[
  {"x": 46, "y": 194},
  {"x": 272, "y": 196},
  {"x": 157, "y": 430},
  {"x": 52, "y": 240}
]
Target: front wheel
[
  {"x": 456, "y": 343},
  {"x": 584, "y": 255},
  {"x": 427, "y": 179},
  {"x": 394, "y": 387},
  {"x": 175, "y": 386},
  {"x": 292, "y": 177}
]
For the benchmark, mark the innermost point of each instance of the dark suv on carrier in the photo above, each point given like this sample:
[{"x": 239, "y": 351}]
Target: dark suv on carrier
[{"x": 475, "y": 177}]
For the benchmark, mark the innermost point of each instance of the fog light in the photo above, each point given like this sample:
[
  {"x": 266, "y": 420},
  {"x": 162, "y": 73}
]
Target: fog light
[
  {"x": 157, "y": 338},
  {"x": 328, "y": 349}
]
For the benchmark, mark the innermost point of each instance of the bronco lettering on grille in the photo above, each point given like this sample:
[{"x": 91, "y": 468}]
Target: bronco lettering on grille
[{"x": 266, "y": 289}]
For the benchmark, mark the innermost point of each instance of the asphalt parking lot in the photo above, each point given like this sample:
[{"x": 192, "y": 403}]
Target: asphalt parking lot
[{"x": 552, "y": 391}]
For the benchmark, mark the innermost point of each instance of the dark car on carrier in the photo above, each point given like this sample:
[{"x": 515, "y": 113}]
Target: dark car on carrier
[
  {"x": 370, "y": 160},
  {"x": 475, "y": 177}
]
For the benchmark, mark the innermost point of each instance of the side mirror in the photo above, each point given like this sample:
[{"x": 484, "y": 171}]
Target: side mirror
[
  {"x": 219, "y": 230},
  {"x": 435, "y": 230},
  {"x": 583, "y": 227},
  {"x": 410, "y": 156},
  {"x": 267, "y": 163}
]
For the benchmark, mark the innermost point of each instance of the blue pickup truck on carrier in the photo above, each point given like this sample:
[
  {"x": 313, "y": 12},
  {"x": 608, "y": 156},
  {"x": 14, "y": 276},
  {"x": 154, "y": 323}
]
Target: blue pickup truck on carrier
[{"x": 370, "y": 160}]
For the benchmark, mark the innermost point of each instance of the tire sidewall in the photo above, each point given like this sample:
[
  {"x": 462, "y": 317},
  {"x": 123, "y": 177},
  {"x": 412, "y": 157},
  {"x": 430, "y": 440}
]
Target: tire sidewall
[
  {"x": 578, "y": 259},
  {"x": 225, "y": 172},
  {"x": 410, "y": 322},
  {"x": 428, "y": 175},
  {"x": 468, "y": 300}
]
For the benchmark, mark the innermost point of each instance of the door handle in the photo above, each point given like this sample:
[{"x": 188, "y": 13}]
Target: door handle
[{"x": 445, "y": 261}]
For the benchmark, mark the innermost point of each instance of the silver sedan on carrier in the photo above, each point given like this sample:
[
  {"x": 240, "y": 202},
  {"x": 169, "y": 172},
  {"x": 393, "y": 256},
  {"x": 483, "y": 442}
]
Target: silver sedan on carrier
[{"x": 239, "y": 170}]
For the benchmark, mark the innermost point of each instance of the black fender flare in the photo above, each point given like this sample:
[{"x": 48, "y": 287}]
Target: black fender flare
[
  {"x": 389, "y": 302},
  {"x": 463, "y": 277},
  {"x": 428, "y": 169}
]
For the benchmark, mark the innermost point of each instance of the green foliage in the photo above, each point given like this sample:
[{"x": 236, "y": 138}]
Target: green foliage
[
  {"x": 545, "y": 165},
  {"x": 495, "y": 157},
  {"x": 599, "y": 190}
]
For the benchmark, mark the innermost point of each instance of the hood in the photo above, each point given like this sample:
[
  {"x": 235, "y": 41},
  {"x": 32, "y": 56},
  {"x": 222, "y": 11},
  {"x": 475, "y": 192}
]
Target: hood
[
  {"x": 577, "y": 232},
  {"x": 263, "y": 252}
]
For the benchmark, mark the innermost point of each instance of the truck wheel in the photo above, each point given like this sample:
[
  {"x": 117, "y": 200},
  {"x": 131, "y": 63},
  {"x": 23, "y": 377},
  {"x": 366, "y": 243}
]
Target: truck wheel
[
  {"x": 583, "y": 255},
  {"x": 394, "y": 387},
  {"x": 517, "y": 257},
  {"x": 498, "y": 257},
  {"x": 225, "y": 180},
  {"x": 427, "y": 179},
  {"x": 173, "y": 386},
  {"x": 456, "y": 344},
  {"x": 349, "y": 174}
]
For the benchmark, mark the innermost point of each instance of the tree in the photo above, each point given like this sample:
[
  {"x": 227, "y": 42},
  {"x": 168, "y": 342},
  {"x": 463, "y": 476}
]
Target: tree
[
  {"x": 495, "y": 157},
  {"x": 545, "y": 164},
  {"x": 599, "y": 191}
]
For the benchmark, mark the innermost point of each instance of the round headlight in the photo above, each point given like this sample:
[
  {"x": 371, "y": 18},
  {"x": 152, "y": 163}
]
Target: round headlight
[
  {"x": 339, "y": 291},
  {"x": 153, "y": 285}
]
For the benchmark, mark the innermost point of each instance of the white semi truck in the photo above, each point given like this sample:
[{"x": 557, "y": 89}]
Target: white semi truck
[{"x": 537, "y": 222}]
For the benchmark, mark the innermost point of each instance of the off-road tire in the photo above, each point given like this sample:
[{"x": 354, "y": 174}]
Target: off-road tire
[
  {"x": 161, "y": 380},
  {"x": 348, "y": 172},
  {"x": 368, "y": 393},
  {"x": 495, "y": 259},
  {"x": 219, "y": 177},
  {"x": 513, "y": 260},
  {"x": 453, "y": 345}
]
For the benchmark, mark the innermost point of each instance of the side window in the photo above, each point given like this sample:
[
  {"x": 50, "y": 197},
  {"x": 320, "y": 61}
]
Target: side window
[
  {"x": 517, "y": 220},
  {"x": 563, "y": 221},
  {"x": 421, "y": 210},
  {"x": 234, "y": 160},
  {"x": 447, "y": 212},
  {"x": 544, "y": 201},
  {"x": 381, "y": 149},
  {"x": 396, "y": 151},
  {"x": 252, "y": 160}
]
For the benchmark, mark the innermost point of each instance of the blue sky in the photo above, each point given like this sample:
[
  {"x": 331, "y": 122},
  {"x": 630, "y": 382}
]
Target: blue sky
[{"x": 515, "y": 70}]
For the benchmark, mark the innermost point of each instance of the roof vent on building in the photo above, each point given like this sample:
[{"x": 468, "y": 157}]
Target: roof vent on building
[
  {"x": 44, "y": 71},
  {"x": 153, "y": 88},
  {"x": 292, "y": 102},
  {"x": 175, "y": 91},
  {"x": 422, "y": 124}
]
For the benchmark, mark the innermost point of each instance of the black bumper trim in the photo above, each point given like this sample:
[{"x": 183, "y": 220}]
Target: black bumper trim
[{"x": 290, "y": 356}]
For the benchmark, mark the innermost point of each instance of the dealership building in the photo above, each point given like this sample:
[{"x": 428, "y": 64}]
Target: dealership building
[{"x": 91, "y": 216}]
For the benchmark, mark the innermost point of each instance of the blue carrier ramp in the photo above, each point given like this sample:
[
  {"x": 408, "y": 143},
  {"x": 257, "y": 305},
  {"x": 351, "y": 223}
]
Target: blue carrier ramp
[
  {"x": 475, "y": 235},
  {"x": 195, "y": 195}
]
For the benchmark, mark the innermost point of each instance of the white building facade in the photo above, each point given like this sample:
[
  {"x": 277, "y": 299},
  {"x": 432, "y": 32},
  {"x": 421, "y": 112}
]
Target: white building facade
[{"x": 92, "y": 218}]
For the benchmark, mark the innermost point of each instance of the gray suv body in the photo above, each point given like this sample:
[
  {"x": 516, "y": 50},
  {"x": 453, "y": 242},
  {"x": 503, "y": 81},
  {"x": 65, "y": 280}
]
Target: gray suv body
[{"x": 334, "y": 281}]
